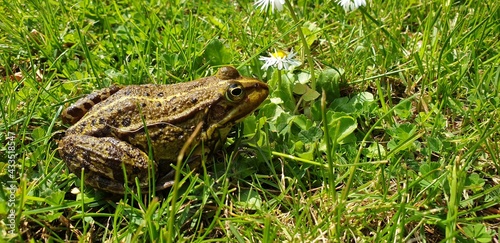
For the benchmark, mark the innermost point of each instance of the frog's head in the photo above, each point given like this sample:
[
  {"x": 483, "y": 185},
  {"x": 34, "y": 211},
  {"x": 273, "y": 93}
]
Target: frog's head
[{"x": 239, "y": 97}]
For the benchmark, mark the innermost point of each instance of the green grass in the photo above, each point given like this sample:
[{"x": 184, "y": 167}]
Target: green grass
[{"x": 401, "y": 146}]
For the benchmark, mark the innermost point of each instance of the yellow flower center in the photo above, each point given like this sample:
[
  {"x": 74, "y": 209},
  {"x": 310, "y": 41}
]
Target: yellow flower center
[{"x": 279, "y": 54}]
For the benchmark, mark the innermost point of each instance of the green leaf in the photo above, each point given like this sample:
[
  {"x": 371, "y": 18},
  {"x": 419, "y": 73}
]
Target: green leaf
[
  {"x": 50, "y": 216},
  {"x": 307, "y": 93},
  {"x": 478, "y": 232},
  {"x": 217, "y": 54},
  {"x": 402, "y": 131},
  {"x": 342, "y": 122},
  {"x": 303, "y": 77},
  {"x": 287, "y": 98},
  {"x": 255, "y": 126},
  {"x": 328, "y": 80},
  {"x": 361, "y": 100},
  {"x": 282, "y": 124},
  {"x": 271, "y": 110},
  {"x": 431, "y": 171},
  {"x": 310, "y": 135},
  {"x": 302, "y": 122},
  {"x": 403, "y": 110},
  {"x": 38, "y": 133},
  {"x": 309, "y": 153},
  {"x": 342, "y": 105},
  {"x": 474, "y": 182},
  {"x": 249, "y": 125},
  {"x": 300, "y": 89},
  {"x": 310, "y": 95},
  {"x": 359, "y": 103},
  {"x": 316, "y": 110},
  {"x": 375, "y": 151},
  {"x": 55, "y": 198},
  {"x": 250, "y": 199},
  {"x": 435, "y": 144},
  {"x": 67, "y": 87}
]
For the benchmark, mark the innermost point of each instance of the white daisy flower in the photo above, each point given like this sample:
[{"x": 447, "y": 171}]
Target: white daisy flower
[
  {"x": 263, "y": 4},
  {"x": 280, "y": 60},
  {"x": 350, "y": 5}
]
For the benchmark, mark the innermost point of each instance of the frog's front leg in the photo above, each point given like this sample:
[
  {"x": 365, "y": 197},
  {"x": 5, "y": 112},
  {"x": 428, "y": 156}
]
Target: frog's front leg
[
  {"x": 103, "y": 159},
  {"x": 167, "y": 180}
]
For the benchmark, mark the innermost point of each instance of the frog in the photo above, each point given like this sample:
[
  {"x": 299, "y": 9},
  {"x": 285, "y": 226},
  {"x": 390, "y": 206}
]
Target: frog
[{"x": 123, "y": 133}]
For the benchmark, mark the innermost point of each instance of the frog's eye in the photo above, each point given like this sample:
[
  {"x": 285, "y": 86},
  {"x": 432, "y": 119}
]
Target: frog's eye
[{"x": 235, "y": 92}]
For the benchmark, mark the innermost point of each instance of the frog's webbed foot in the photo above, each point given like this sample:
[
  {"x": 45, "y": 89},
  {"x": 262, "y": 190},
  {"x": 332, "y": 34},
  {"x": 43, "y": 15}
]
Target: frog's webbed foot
[
  {"x": 168, "y": 179},
  {"x": 165, "y": 182},
  {"x": 105, "y": 160}
]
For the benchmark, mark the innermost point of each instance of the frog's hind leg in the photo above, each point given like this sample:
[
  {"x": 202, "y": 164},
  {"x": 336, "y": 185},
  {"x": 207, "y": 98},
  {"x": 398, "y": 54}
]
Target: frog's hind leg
[
  {"x": 107, "y": 162},
  {"x": 77, "y": 110}
]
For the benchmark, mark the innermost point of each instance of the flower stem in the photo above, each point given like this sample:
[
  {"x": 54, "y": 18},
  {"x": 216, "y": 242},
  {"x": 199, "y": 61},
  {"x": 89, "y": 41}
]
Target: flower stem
[
  {"x": 279, "y": 79},
  {"x": 307, "y": 51}
]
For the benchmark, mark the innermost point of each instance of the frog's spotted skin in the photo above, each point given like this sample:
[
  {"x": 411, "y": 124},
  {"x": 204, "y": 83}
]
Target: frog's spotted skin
[
  {"x": 113, "y": 131},
  {"x": 76, "y": 111}
]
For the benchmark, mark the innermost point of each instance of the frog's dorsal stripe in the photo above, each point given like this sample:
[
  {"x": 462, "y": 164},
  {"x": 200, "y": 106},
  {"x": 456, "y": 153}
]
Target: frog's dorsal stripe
[{"x": 156, "y": 104}]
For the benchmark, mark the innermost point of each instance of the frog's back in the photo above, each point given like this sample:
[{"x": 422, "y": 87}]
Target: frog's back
[{"x": 125, "y": 110}]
